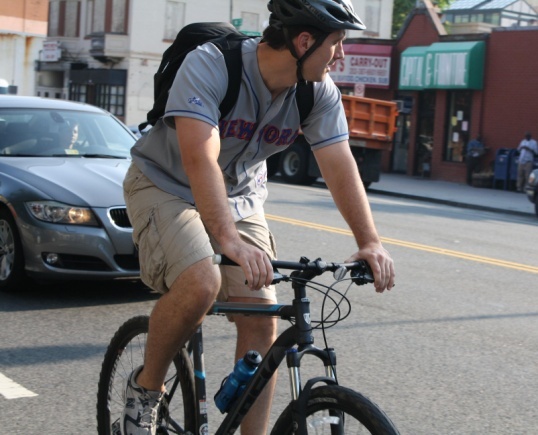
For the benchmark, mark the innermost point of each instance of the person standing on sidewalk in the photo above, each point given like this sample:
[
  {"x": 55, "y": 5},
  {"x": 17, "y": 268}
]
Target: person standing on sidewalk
[
  {"x": 475, "y": 151},
  {"x": 528, "y": 150},
  {"x": 197, "y": 186}
]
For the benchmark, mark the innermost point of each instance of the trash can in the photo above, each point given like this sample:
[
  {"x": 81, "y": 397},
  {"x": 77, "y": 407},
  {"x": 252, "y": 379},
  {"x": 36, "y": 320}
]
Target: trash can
[
  {"x": 513, "y": 157},
  {"x": 501, "y": 168}
]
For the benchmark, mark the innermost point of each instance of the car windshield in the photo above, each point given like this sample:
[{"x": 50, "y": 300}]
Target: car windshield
[{"x": 66, "y": 133}]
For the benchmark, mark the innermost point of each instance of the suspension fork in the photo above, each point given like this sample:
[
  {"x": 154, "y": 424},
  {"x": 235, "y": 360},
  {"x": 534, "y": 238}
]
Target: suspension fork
[{"x": 293, "y": 360}]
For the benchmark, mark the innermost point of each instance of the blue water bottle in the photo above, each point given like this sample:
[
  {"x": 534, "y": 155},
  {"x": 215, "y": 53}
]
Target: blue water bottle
[{"x": 234, "y": 384}]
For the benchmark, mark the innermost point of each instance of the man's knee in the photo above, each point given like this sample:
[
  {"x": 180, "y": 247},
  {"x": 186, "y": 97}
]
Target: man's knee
[{"x": 200, "y": 281}]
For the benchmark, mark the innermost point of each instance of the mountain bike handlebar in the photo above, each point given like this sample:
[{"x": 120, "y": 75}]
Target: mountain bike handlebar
[{"x": 360, "y": 270}]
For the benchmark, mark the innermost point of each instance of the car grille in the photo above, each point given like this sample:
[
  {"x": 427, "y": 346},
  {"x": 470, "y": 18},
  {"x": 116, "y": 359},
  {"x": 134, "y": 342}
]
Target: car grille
[
  {"x": 127, "y": 262},
  {"x": 119, "y": 217},
  {"x": 86, "y": 262}
]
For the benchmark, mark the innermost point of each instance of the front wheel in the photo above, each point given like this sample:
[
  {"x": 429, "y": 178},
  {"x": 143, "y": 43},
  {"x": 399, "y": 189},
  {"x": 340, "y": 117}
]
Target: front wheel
[
  {"x": 177, "y": 413},
  {"x": 334, "y": 410},
  {"x": 11, "y": 255}
]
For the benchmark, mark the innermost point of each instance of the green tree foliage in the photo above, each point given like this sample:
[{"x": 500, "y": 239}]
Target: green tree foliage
[{"x": 402, "y": 8}]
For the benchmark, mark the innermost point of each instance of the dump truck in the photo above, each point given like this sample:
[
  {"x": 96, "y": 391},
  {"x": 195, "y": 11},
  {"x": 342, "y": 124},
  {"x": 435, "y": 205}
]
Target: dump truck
[{"x": 372, "y": 124}]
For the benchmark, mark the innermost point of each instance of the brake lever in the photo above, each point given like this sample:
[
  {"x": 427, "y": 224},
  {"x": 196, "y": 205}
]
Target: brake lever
[{"x": 362, "y": 275}]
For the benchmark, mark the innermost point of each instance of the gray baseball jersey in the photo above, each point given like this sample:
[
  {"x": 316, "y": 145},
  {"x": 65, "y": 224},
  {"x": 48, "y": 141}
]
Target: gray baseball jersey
[{"x": 256, "y": 127}]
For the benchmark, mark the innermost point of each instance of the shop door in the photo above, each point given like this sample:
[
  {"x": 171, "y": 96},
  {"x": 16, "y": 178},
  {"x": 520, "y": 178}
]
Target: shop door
[
  {"x": 401, "y": 144},
  {"x": 424, "y": 139}
]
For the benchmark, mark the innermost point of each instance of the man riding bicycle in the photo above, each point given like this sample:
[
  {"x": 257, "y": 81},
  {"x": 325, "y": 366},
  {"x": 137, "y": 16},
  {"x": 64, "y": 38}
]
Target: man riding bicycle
[{"x": 197, "y": 187}]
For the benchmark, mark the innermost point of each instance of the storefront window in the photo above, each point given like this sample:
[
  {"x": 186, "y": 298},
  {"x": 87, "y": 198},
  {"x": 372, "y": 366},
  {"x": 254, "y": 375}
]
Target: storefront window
[{"x": 458, "y": 122}]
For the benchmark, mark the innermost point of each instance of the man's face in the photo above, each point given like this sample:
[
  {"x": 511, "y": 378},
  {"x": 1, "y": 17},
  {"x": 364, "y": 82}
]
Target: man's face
[{"x": 317, "y": 66}]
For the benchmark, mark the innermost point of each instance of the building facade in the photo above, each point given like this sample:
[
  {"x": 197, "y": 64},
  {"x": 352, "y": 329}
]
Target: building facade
[
  {"x": 453, "y": 82},
  {"x": 105, "y": 52},
  {"x": 455, "y": 87}
]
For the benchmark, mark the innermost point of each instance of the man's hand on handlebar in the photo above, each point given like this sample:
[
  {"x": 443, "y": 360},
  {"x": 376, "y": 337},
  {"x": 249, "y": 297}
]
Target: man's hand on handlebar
[
  {"x": 381, "y": 264},
  {"x": 254, "y": 262}
]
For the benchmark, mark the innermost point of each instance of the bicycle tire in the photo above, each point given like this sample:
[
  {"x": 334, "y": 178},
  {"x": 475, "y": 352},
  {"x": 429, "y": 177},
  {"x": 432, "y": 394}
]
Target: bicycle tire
[
  {"x": 324, "y": 410},
  {"x": 126, "y": 352}
]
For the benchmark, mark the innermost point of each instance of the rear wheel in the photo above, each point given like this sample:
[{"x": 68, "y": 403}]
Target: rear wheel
[
  {"x": 11, "y": 255},
  {"x": 126, "y": 352},
  {"x": 337, "y": 410}
]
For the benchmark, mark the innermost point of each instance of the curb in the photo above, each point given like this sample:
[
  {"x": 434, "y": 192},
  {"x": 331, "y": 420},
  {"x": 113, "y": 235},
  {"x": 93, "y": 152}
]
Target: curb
[{"x": 450, "y": 203}]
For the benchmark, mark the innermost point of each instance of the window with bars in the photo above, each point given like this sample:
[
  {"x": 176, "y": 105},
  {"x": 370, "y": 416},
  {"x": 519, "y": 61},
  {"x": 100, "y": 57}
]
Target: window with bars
[
  {"x": 107, "y": 16},
  {"x": 373, "y": 16},
  {"x": 174, "y": 18},
  {"x": 64, "y": 18}
]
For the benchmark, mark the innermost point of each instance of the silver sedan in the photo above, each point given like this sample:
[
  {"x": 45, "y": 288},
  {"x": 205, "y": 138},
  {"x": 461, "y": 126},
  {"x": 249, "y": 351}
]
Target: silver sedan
[{"x": 62, "y": 212}]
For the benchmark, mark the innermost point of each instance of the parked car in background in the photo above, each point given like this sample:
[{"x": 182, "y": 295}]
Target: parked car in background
[
  {"x": 62, "y": 212},
  {"x": 136, "y": 131},
  {"x": 531, "y": 189}
]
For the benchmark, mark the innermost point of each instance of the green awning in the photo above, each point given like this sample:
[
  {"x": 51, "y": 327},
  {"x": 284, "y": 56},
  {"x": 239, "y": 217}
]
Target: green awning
[
  {"x": 412, "y": 69},
  {"x": 443, "y": 65}
]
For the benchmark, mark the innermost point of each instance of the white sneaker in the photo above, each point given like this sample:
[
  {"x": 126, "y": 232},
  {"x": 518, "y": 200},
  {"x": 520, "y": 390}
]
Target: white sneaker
[{"x": 141, "y": 408}]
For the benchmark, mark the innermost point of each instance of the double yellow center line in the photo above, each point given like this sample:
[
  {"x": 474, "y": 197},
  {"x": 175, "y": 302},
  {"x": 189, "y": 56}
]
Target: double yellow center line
[{"x": 411, "y": 245}]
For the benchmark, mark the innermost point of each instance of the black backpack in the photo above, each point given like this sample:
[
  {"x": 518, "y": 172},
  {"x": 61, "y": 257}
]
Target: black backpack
[{"x": 228, "y": 40}]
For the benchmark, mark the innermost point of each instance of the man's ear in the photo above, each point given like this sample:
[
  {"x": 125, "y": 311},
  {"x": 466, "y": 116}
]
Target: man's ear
[{"x": 303, "y": 42}]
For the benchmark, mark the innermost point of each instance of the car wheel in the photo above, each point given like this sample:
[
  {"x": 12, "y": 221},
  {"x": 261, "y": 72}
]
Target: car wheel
[
  {"x": 294, "y": 164},
  {"x": 536, "y": 206},
  {"x": 11, "y": 257}
]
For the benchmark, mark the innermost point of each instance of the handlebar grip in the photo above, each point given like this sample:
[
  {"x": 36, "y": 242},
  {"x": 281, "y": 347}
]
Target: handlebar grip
[
  {"x": 222, "y": 260},
  {"x": 363, "y": 275}
]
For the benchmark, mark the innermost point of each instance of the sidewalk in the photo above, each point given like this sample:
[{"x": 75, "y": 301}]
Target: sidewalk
[{"x": 456, "y": 194}]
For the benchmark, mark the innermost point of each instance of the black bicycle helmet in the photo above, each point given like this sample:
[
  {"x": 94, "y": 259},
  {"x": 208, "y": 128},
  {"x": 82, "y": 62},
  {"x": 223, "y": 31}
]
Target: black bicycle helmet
[{"x": 325, "y": 15}]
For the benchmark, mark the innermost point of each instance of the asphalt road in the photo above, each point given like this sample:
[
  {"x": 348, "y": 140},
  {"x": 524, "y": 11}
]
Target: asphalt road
[{"x": 451, "y": 350}]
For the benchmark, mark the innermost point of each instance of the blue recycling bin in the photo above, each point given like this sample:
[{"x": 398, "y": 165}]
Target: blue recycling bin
[{"x": 502, "y": 168}]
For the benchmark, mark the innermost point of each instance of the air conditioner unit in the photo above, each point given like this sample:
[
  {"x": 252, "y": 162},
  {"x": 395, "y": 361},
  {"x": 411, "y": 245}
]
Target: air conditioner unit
[{"x": 399, "y": 105}]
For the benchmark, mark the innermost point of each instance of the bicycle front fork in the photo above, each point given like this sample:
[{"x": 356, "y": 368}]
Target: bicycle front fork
[{"x": 293, "y": 359}]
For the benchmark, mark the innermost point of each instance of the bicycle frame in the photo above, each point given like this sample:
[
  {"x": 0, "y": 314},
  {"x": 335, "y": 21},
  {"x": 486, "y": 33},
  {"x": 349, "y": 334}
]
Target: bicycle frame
[{"x": 299, "y": 334}]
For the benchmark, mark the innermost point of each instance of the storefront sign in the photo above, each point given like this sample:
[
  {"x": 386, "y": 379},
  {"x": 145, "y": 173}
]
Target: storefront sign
[
  {"x": 412, "y": 68},
  {"x": 443, "y": 65},
  {"x": 51, "y": 52},
  {"x": 363, "y": 64}
]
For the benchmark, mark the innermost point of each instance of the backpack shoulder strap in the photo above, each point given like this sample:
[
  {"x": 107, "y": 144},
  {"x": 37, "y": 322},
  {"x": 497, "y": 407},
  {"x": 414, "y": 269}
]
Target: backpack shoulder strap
[
  {"x": 231, "y": 47},
  {"x": 304, "y": 94},
  {"x": 234, "y": 65}
]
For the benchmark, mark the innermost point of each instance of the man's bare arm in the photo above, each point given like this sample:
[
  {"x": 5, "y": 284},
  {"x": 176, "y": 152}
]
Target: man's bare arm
[
  {"x": 200, "y": 148},
  {"x": 341, "y": 175}
]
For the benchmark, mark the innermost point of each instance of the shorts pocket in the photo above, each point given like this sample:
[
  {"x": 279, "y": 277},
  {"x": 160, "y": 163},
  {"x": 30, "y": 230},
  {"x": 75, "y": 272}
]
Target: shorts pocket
[{"x": 151, "y": 255}]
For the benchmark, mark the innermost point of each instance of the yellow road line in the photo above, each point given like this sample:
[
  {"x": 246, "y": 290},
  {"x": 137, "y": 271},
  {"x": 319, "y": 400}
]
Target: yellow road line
[{"x": 411, "y": 245}]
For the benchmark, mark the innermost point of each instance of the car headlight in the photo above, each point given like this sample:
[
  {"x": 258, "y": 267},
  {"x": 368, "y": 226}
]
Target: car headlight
[
  {"x": 58, "y": 213},
  {"x": 532, "y": 178}
]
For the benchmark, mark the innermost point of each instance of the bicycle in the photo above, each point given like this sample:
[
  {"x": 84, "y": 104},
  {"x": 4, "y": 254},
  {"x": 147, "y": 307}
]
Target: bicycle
[{"x": 317, "y": 406}]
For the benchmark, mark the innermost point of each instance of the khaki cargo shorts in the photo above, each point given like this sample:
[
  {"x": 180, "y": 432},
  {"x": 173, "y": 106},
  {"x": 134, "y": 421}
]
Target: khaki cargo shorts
[{"x": 171, "y": 237}]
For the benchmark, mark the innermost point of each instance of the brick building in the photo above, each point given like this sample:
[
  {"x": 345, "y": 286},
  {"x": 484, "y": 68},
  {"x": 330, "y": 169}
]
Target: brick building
[{"x": 454, "y": 86}]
